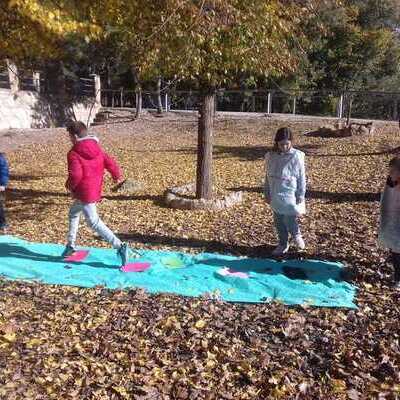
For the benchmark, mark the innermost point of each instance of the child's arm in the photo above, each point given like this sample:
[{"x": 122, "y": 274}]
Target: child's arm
[
  {"x": 4, "y": 172},
  {"x": 112, "y": 167},
  {"x": 75, "y": 172},
  {"x": 301, "y": 181}
]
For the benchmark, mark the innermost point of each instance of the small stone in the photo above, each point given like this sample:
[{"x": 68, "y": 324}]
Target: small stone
[
  {"x": 130, "y": 186},
  {"x": 176, "y": 198}
]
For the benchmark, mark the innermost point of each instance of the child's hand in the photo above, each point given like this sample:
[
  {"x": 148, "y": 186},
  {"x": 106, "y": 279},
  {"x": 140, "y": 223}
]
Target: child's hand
[
  {"x": 268, "y": 199},
  {"x": 2, "y": 188}
]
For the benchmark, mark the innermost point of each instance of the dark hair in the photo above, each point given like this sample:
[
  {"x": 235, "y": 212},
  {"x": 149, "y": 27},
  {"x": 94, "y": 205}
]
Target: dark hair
[
  {"x": 77, "y": 128},
  {"x": 282, "y": 134},
  {"x": 395, "y": 163}
]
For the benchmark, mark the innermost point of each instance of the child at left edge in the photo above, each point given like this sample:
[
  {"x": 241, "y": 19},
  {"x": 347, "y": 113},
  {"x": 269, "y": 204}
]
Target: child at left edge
[
  {"x": 4, "y": 178},
  {"x": 87, "y": 162}
]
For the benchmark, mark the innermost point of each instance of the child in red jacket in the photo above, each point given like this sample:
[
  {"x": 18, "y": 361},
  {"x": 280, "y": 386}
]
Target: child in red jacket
[{"x": 86, "y": 164}]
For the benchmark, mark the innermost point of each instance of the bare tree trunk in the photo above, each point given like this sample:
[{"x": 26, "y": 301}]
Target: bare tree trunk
[
  {"x": 60, "y": 104},
  {"x": 108, "y": 76},
  {"x": 205, "y": 146},
  {"x": 396, "y": 109},
  {"x": 138, "y": 90},
  {"x": 109, "y": 95},
  {"x": 159, "y": 99},
  {"x": 138, "y": 101}
]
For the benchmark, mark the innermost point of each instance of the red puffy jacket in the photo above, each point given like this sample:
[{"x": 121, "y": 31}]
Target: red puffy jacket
[{"x": 86, "y": 164}]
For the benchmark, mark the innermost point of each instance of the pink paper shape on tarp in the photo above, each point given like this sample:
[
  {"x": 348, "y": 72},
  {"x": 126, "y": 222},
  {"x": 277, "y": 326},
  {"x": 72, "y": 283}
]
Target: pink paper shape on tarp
[
  {"x": 79, "y": 255},
  {"x": 231, "y": 272},
  {"x": 136, "y": 267}
]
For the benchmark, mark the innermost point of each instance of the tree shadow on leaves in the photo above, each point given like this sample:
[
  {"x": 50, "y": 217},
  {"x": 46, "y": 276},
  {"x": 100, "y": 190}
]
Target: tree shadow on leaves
[
  {"x": 27, "y": 178},
  {"x": 292, "y": 270},
  {"x": 36, "y": 203},
  {"x": 201, "y": 244},
  {"x": 20, "y": 252},
  {"x": 242, "y": 265},
  {"x": 30, "y": 195},
  {"x": 243, "y": 153},
  {"x": 253, "y": 153},
  {"x": 332, "y": 197},
  {"x": 344, "y": 197},
  {"x": 394, "y": 151}
]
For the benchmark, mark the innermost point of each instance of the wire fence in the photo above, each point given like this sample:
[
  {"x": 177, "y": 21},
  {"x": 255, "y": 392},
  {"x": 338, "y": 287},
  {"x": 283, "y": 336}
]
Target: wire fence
[
  {"x": 80, "y": 86},
  {"x": 121, "y": 98},
  {"x": 352, "y": 104},
  {"x": 27, "y": 81}
]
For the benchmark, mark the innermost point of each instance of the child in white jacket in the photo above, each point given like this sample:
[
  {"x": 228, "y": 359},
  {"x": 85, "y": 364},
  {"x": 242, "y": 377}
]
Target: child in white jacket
[
  {"x": 285, "y": 189},
  {"x": 389, "y": 229}
]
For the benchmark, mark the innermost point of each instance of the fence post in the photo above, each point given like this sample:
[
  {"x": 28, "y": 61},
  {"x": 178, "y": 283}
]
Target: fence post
[
  {"x": 340, "y": 107},
  {"x": 294, "y": 105},
  {"x": 269, "y": 103},
  {"x": 349, "y": 106},
  {"x": 112, "y": 99},
  {"x": 122, "y": 98},
  {"x": 166, "y": 102},
  {"x": 36, "y": 81}
]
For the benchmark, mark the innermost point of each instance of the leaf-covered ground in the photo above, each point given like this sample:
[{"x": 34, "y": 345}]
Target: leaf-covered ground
[{"x": 70, "y": 343}]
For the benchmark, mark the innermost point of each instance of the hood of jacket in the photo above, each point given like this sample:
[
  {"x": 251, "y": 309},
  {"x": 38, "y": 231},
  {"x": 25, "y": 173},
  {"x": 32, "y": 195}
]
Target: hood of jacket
[{"x": 87, "y": 147}]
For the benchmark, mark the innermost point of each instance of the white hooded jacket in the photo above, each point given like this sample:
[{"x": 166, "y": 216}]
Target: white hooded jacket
[{"x": 285, "y": 182}]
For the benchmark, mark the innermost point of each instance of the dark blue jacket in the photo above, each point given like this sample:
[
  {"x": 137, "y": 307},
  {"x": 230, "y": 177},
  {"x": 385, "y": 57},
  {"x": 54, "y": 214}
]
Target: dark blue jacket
[{"x": 4, "y": 173}]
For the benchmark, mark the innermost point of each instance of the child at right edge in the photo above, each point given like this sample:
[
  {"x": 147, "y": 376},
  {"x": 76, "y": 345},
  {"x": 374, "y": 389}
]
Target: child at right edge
[
  {"x": 285, "y": 190},
  {"x": 389, "y": 229}
]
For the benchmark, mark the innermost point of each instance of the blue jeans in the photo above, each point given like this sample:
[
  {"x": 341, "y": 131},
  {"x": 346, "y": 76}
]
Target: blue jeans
[{"x": 285, "y": 225}]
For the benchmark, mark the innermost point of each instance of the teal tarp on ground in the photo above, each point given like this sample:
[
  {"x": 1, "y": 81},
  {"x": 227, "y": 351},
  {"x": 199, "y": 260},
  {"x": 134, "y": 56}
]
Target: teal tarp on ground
[{"x": 310, "y": 282}]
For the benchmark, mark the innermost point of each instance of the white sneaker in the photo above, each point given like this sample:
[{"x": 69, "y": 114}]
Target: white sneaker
[
  {"x": 280, "y": 250},
  {"x": 299, "y": 242}
]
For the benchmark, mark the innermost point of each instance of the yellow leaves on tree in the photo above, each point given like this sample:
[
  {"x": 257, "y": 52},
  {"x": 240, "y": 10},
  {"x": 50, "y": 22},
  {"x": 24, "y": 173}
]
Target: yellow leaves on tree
[
  {"x": 61, "y": 20},
  {"x": 210, "y": 41}
]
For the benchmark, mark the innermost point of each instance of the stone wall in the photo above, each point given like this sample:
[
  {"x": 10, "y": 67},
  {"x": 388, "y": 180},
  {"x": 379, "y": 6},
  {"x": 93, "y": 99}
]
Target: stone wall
[{"x": 24, "y": 109}]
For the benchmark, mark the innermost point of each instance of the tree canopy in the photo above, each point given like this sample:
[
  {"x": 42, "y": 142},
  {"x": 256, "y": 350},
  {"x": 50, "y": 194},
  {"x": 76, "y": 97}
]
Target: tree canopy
[
  {"x": 305, "y": 44},
  {"x": 209, "y": 41}
]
